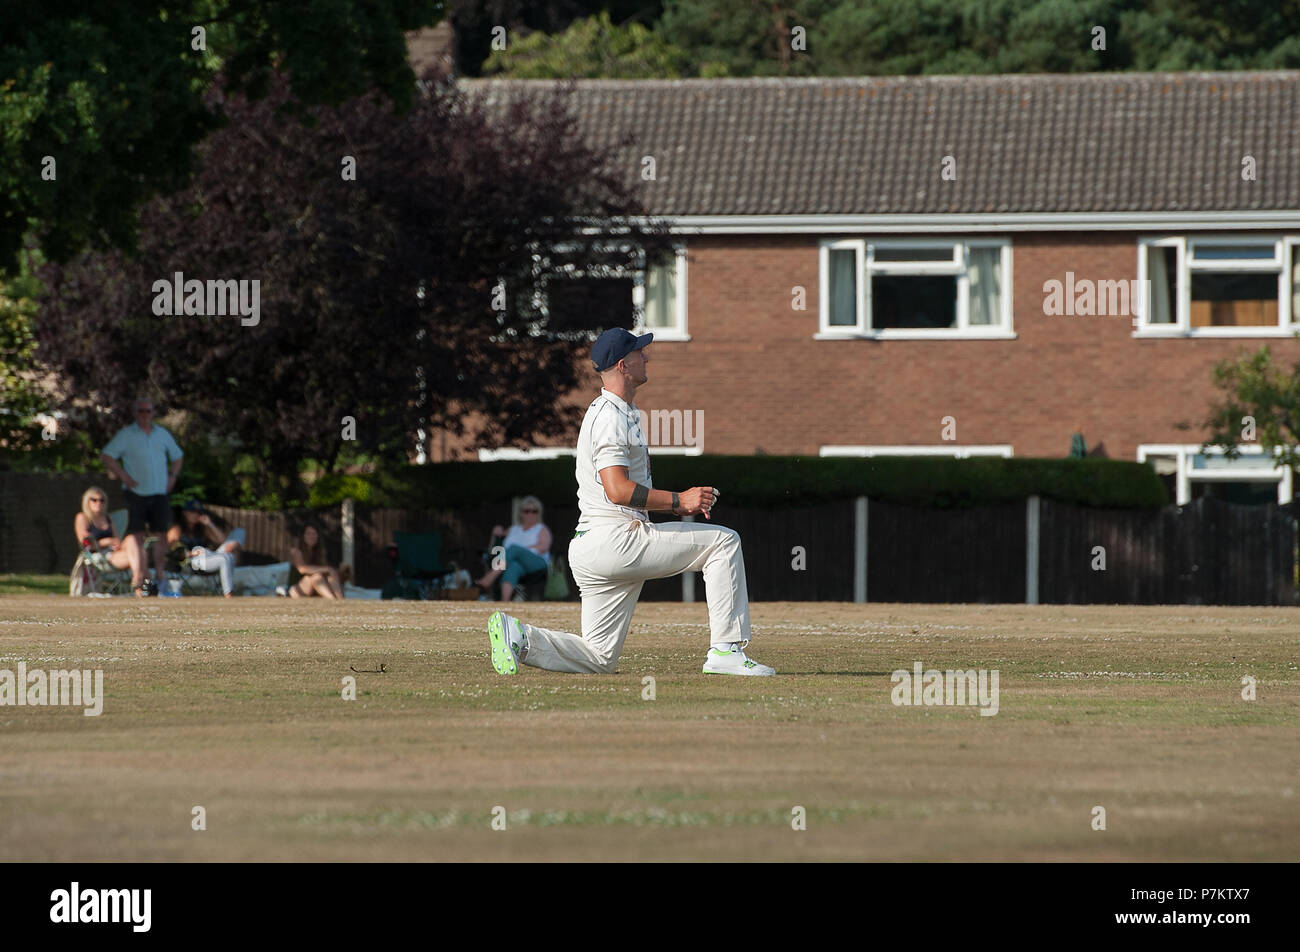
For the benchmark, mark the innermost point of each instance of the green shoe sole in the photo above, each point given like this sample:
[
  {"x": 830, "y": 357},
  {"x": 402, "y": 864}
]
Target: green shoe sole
[{"x": 503, "y": 659}]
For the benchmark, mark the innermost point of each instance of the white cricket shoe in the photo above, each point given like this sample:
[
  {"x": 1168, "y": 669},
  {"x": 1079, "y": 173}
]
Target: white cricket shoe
[{"x": 735, "y": 662}]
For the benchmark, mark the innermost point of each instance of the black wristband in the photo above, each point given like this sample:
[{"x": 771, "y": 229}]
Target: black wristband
[
  {"x": 677, "y": 501},
  {"x": 640, "y": 496}
]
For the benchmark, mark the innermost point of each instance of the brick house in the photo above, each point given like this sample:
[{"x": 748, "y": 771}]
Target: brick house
[{"x": 959, "y": 265}]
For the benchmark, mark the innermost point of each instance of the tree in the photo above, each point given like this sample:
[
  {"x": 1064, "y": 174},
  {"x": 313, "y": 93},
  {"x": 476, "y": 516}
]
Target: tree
[
  {"x": 406, "y": 295},
  {"x": 1257, "y": 401},
  {"x": 20, "y": 396},
  {"x": 940, "y": 37},
  {"x": 101, "y": 103},
  {"x": 476, "y": 24},
  {"x": 591, "y": 48}
]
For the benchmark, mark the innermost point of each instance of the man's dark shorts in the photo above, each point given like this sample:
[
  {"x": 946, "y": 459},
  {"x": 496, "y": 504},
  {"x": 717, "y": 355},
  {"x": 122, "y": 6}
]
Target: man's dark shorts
[{"x": 147, "y": 512}]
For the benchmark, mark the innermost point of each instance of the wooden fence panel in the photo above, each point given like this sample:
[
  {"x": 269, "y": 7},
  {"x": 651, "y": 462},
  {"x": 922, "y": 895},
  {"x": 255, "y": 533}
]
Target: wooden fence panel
[{"x": 945, "y": 555}]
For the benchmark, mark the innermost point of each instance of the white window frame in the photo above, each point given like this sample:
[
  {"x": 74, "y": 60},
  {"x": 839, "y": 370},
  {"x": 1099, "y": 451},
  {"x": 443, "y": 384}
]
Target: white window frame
[
  {"x": 1286, "y": 248},
  {"x": 531, "y": 452},
  {"x": 958, "y": 267},
  {"x": 675, "y": 333},
  {"x": 636, "y": 272},
  {"x": 1185, "y": 474},
  {"x": 955, "y": 450},
  {"x": 486, "y": 455}
]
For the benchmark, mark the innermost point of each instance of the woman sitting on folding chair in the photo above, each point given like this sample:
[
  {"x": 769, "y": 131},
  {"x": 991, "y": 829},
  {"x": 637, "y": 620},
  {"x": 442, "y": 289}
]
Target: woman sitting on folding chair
[
  {"x": 208, "y": 548},
  {"x": 94, "y": 524},
  {"x": 527, "y": 549}
]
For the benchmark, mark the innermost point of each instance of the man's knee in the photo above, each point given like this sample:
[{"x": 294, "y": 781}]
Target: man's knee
[{"x": 728, "y": 538}]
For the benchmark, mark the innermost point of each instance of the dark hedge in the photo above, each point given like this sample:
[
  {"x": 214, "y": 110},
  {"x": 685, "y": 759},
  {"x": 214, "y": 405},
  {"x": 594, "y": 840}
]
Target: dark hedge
[{"x": 755, "y": 481}]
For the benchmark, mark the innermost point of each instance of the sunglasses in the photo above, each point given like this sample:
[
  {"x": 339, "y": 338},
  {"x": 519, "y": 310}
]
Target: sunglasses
[
  {"x": 528, "y": 510},
  {"x": 97, "y": 499}
]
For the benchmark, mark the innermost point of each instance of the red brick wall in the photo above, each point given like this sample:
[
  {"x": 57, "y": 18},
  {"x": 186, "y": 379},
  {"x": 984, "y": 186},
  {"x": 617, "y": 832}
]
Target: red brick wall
[{"x": 753, "y": 366}]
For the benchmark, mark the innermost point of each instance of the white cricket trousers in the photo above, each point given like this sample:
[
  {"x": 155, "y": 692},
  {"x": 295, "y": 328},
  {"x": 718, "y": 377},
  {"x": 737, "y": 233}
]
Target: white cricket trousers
[{"x": 612, "y": 561}]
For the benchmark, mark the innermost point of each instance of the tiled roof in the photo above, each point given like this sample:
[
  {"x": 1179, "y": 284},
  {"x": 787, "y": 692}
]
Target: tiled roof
[{"x": 1093, "y": 142}]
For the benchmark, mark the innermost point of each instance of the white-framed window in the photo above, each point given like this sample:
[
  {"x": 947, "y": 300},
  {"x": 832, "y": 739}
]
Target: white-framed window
[
  {"x": 1219, "y": 286},
  {"x": 573, "y": 293},
  {"x": 558, "y": 452},
  {"x": 915, "y": 288},
  {"x": 1189, "y": 463},
  {"x": 954, "y": 450},
  {"x": 660, "y": 297},
  {"x": 532, "y": 452}
]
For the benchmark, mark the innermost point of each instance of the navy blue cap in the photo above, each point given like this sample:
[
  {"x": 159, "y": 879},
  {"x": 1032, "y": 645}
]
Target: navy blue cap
[
  {"x": 615, "y": 344},
  {"x": 192, "y": 505}
]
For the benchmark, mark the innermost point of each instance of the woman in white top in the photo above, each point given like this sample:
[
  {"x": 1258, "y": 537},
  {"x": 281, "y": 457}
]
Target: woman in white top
[{"x": 527, "y": 549}]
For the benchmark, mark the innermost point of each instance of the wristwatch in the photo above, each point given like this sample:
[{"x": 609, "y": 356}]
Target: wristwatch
[{"x": 677, "y": 501}]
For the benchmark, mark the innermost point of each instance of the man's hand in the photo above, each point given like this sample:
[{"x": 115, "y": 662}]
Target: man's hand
[
  {"x": 128, "y": 482},
  {"x": 698, "y": 499}
]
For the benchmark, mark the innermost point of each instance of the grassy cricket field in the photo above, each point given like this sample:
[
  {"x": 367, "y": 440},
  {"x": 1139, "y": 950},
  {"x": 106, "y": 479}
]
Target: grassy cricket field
[{"x": 236, "y": 707}]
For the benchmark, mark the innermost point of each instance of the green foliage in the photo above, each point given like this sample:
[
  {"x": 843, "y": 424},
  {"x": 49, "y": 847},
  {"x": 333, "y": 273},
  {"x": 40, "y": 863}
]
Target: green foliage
[
  {"x": 22, "y": 445},
  {"x": 1253, "y": 386},
  {"x": 332, "y": 488},
  {"x": 777, "y": 481},
  {"x": 115, "y": 94},
  {"x": 591, "y": 48},
  {"x": 957, "y": 37}
]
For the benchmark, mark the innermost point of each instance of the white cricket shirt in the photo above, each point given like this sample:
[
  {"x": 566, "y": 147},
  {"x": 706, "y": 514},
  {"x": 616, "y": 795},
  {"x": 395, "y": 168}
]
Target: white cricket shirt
[{"x": 610, "y": 436}]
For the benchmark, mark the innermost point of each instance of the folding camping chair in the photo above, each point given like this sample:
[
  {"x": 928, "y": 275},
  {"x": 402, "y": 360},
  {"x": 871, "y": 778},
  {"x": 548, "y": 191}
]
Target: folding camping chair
[
  {"x": 531, "y": 587},
  {"x": 193, "y": 581},
  {"x": 417, "y": 565},
  {"x": 94, "y": 574}
]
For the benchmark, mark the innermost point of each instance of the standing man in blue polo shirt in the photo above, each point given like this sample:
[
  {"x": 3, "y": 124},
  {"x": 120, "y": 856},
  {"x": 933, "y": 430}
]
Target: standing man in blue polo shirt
[{"x": 145, "y": 451}]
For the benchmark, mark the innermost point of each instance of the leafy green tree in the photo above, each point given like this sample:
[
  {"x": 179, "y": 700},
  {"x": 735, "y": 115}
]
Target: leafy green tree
[
  {"x": 746, "y": 37},
  {"x": 20, "y": 396},
  {"x": 1257, "y": 401},
  {"x": 102, "y": 103},
  {"x": 591, "y": 48},
  {"x": 475, "y": 22},
  {"x": 941, "y": 37}
]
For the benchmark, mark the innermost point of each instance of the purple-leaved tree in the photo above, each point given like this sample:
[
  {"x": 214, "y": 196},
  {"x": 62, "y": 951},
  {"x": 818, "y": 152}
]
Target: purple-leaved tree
[{"x": 399, "y": 260}]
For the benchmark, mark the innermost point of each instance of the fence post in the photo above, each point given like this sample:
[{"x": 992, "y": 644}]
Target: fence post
[
  {"x": 1033, "y": 512},
  {"x": 349, "y": 534},
  {"x": 860, "y": 549},
  {"x": 688, "y": 578}
]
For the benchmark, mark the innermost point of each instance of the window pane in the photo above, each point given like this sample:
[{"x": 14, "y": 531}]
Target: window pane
[
  {"x": 661, "y": 295},
  {"x": 1295, "y": 284},
  {"x": 588, "y": 303},
  {"x": 1231, "y": 252},
  {"x": 844, "y": 287},
  {"x": 985, "y": 277},
  {"x": 1234, "y": 300},
  {"x": 1162, "y": 273},
  {"x": 943, "y": 253},
  {"x": 910, "y": 301}
]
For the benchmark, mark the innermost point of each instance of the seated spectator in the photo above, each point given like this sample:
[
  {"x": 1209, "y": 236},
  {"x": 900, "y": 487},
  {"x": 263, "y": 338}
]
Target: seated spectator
[
  {"x": 308, "y": 573},
  {"x": 527, "y": 549},
  {"x": 208, "y": 547},
  {"x": 94, "y": 524}
]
